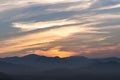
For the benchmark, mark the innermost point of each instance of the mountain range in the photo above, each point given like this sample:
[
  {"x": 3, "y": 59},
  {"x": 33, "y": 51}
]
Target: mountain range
[{"x": 54, "y": 68}]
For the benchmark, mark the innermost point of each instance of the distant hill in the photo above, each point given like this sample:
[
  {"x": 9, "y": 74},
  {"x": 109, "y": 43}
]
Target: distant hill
[
  {"x": 33, "y": 66},
  {"x": 41, "y": 60},
  {"x": 36, "y": 60}
]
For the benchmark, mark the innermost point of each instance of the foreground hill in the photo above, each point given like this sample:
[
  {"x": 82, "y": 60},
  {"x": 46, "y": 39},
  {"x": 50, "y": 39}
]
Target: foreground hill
[{"x": 33, "y": 67}]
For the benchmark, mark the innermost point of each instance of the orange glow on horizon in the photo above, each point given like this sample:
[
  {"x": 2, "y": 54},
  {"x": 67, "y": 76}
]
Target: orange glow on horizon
[{"x": 54, "y": 52}]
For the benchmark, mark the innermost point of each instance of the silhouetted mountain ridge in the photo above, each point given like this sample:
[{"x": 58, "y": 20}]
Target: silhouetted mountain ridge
[
  {"x": 31, "y": 67},
  {"x": 33, "y": 58}
]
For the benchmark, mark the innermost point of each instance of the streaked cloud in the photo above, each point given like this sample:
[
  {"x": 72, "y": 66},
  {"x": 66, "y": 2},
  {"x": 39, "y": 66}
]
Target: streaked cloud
[
  {"x": 109, "y": 7},
  {"x": 12, "y": 4},
  {"x": 75, "y": 7},
  {"x": 18, "y": 43},
  {"x": 60, "y": 27},
  {"x": 26, "y": 26},
  {"x": 106, "y": 51},
  {"x": 98, "y": 39}
]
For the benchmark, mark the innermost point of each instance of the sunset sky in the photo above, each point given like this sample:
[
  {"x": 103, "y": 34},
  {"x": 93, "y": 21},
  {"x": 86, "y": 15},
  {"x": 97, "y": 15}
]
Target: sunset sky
[{"x": 61, "y": 28}]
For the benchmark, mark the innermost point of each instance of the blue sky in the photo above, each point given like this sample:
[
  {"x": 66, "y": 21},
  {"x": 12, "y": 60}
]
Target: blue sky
[{"x": 60, "y": 28}]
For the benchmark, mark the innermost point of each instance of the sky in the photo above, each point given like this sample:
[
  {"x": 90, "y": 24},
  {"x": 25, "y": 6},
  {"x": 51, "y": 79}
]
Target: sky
[{"x": 61, "y": 28}]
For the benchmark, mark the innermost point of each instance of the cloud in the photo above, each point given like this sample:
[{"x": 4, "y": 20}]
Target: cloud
[
  {"x": 40, "y": 2},
  {"x": 74, "y": 7},
  {"x": 44, "y": 38},
  {"x": 27, "y": 26},
  {"x": 12, "y": 4},
  {"x": 109, "y": 7},
  {"x": 92, "y": 19},
  {"x": 106, "y": 51},
  {"x": 98, "y": 39},
  {"x": 19, "y": 43},
  {"x": 77, "y": 26}
]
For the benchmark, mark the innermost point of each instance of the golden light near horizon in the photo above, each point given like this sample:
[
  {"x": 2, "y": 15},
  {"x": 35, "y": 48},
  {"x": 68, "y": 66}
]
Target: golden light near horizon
[
  {"x": 23, "y": 42},
  {"x": 53, "y": 52}
]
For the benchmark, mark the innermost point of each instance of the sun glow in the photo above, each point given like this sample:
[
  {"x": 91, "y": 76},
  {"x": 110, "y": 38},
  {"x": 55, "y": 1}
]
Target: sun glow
[{"x": 54, "y": 52}]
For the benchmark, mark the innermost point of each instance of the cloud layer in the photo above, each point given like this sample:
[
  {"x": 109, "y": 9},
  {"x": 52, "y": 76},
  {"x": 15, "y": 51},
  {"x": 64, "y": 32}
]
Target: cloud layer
[{"x": 60, "y": 27}]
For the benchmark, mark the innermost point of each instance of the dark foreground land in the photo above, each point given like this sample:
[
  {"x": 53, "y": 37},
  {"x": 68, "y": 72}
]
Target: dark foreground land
[{"x": 33, "y": 67}]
